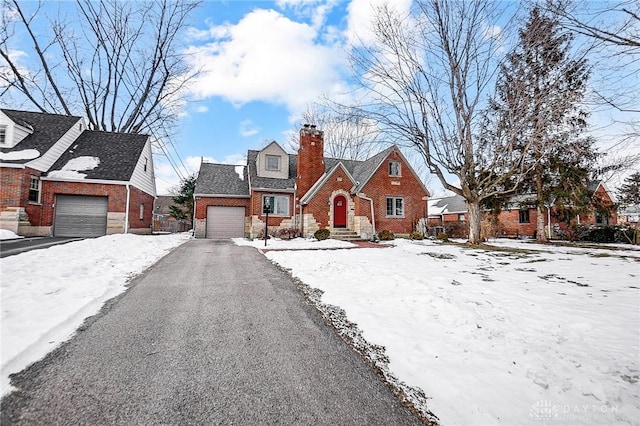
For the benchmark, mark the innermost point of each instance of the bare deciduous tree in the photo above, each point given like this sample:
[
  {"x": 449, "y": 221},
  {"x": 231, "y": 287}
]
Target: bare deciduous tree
[
  {"x": 347, "y": 135},
  {"x": 117, "y": 63},
  {"x": 427, "y": 80}
]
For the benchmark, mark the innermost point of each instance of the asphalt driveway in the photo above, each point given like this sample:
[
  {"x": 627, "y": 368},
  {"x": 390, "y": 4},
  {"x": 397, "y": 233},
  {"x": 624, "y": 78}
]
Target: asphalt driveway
[
  {"x": 21, "y": 245},
  {"x": 212, "y": 334}
]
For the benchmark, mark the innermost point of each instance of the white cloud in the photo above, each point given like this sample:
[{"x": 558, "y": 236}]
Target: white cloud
[
  {"x": 361, "y": 15},
  {"x": 201, "y": 109},
  {"x": 266, "y": 57},
  {"x": 247, "y": 128}
]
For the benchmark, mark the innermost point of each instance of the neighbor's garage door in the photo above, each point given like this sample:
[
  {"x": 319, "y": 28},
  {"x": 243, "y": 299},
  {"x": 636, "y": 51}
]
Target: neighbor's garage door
[
  {"x": 225, "y": 222},
  {"x": 80, "y": 216}
]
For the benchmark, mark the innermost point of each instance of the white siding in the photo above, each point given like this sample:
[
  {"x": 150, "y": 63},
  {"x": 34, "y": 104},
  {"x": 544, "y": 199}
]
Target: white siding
[
  {"x": 261, "y": 162},
  {"x": 45, "y": 161},
  {"x": 141, "y": 179},
  {"x": 13, "y": 132}
]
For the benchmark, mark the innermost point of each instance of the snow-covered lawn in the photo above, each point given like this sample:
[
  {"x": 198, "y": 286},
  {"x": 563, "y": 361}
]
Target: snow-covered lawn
[
  {"x": 533, "y": 334},
  {"x": 5, "y": 234},
  {"x": 46, "y": 294}
]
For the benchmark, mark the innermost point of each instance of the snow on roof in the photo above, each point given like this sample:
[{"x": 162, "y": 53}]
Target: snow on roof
[
  {"x": 240, "y": 171},
  {"x": 25, "y": 154},
  {"x": 74, "y": 166}
]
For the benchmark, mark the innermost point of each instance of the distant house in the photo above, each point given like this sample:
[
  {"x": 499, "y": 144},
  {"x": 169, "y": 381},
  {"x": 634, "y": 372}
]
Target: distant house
[
  {"x": 629, "y": 215},
  {"x": 162, "y": 219},
  {"x": 307, "y": 192},
  {"x": 58, "y": 178},
  {"x": 517, "y": 218}
]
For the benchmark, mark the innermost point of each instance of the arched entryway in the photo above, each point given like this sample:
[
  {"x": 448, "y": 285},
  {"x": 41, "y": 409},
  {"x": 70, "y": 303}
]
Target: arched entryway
[{"x": 340, "y": 212}]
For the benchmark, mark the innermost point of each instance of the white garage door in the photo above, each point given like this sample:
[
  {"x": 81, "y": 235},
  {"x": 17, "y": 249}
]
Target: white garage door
[
  {"x": 225, "y": 222},
  {"x": 80, "y": 216}
]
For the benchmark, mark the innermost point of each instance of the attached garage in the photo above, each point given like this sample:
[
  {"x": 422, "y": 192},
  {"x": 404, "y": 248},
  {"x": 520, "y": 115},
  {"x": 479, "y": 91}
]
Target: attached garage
[
  {"x": 80, "y": 216},
  {"x": 225, "y": 222}
]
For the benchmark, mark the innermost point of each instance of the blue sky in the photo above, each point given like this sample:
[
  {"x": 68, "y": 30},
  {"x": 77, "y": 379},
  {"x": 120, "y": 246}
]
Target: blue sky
[{"x": 264, "y": 62}]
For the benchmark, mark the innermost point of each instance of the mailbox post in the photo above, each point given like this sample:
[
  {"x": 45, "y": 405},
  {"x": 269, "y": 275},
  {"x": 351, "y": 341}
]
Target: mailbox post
[{"x": 266, "y": 210}]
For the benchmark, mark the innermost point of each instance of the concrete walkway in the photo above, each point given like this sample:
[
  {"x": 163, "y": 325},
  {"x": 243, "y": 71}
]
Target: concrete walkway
[{"x": 212, "y": 334}]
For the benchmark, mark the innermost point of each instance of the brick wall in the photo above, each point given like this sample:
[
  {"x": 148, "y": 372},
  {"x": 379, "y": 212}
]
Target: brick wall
[
  {"x": 14, "y": 186},
  {"x": 136, "y": 199},
  {"x": 310, "y": 159},
  {"x": 381, "y": 185},
  {"x": 322, "y": 202}
]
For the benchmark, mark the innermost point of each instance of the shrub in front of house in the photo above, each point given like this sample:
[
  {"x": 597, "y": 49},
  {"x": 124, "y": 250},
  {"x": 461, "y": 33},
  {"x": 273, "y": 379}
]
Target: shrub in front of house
[
  {"x": 386, "y": 235},
  {"x": 415, "y": 235},
  {"x": 287, "y": 233},
  {"x": 322, "y": 234},
  {"x": 442, "y": 236}
]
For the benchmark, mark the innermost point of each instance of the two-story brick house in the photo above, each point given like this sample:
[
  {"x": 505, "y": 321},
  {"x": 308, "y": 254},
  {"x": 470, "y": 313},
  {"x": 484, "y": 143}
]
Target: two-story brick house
[
  {"x": 307, "y": 192},
  {"x": 58, "y": 178}
]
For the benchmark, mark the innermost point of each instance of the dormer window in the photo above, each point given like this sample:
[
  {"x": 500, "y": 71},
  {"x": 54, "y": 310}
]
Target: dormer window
[
  {"x": 3, "y": 134},
  {"x": 394, "y": 168},
  {"x": 273, "y": 162}
]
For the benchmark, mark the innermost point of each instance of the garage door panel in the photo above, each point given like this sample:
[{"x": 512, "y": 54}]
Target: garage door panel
[
  {"x": 225, "y": 222},
  {"x": 80, "y": 216}
]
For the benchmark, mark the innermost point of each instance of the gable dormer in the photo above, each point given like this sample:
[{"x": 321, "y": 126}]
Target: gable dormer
[
  {"x": 11, "y": 133},
  {"x": 273, "y": 162}
]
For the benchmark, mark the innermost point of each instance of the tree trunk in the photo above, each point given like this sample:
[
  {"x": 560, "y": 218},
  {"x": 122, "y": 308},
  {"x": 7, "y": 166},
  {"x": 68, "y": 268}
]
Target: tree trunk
[
  {"x": 475, "y": 216},
  {"x": 541, "y": 235}
]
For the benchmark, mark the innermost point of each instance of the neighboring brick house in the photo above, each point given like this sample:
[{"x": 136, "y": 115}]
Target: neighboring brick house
[
  {"x": 58, "y": 178},
  {"x": 307, "y": 192},
  {"x": 517, "y": 218}
]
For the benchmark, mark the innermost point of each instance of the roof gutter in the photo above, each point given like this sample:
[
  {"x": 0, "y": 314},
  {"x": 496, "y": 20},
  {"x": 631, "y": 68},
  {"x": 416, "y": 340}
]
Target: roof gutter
[{"x": 126, "y": 212}]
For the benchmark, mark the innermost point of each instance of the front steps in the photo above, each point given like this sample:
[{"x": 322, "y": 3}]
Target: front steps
[{"x": 345, "y": 235}]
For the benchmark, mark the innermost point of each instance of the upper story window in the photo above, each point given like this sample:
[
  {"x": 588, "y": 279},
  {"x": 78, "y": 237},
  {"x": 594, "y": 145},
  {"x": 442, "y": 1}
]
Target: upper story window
[
  {"x": 524, "y": 216},
  {"x": 3, "y": 134},
  {"x": 394, "y": 168},
  {"x": 34, "y": 189},
  {"x": 273, "y": 162}
]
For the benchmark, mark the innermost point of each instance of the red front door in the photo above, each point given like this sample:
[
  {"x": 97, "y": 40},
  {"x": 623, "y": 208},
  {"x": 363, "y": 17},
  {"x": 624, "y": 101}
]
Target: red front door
[{"x": 340, "y": 212}]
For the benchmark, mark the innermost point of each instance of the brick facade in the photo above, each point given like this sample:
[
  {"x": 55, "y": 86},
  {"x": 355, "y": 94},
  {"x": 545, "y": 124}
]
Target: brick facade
[
  {"x": 37, "y": 219},
  {"x": 310, "y": 159},
  {"x": 406, "y": 186}
]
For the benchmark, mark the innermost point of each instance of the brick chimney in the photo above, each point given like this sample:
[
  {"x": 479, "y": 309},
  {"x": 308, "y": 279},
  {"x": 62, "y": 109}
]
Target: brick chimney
[{"x": 310, "y": 158}]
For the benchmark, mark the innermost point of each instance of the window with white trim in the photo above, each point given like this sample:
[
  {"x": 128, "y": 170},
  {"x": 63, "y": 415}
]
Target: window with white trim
[
  {"x": 34, "y": 189},
  {"x": 523, "y": 216},
  {"x": 395, "y": 207},
  {"x": 394, "y": 168},
  {"x": 141, "y": 211},
  {"x": 279, "y": 204},
  {"x": 3, "y": 134},
  {"x": 273, "y": 162}
]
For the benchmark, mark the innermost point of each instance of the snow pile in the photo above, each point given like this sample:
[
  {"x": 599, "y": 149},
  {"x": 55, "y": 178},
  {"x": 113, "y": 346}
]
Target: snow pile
[
  {"x": 5, "y": 234},
  {"x": 47, "y": 294},
  {"x": 72, "y": 169},
  {"x": 240, "y": 171},
  {"x": 25, "y": 154},
  {"x": 533, "y": 335},
  {"x": 294, "y": 244}
]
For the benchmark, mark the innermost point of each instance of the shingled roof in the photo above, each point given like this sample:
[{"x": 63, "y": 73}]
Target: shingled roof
[
  {"x": 118, "y": 154},
  {"x": 222, "y": 179},
  {"x": 453, "y": 204},
  {"x": 47, "y": 130}
]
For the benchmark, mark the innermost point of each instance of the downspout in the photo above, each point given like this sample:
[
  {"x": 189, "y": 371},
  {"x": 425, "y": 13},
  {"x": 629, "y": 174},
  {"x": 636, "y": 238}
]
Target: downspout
[
  {"x": 373, "y": 217},
  {"x": 126, "y": 212}
]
